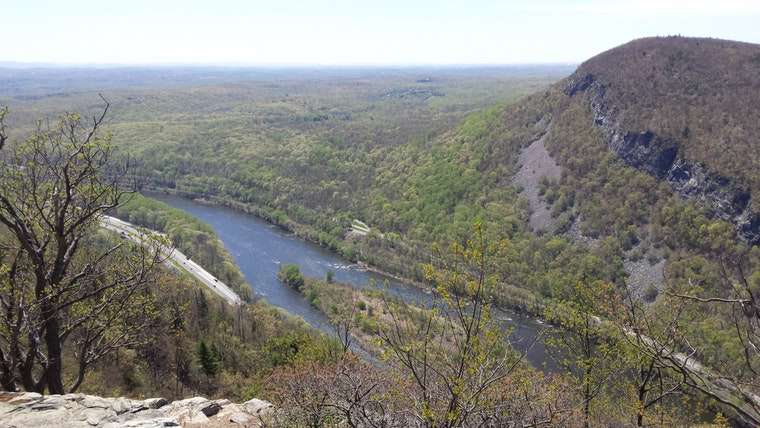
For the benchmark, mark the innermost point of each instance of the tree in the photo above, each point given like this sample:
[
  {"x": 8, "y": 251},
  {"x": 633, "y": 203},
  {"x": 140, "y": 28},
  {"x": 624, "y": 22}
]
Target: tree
[
  {"x": 208, "y": 358},
  {"x": 454, "y": 352},
  {"x": 586, "y": 346},
  {"x": 345, "y": 392},
  {"x": 648, "y": 335},
  {"x": 66, "y": 290},
  {"x": 291, "y": 276},
  {"x": 736, "y": 297},
  {"x": 344, "y": 323}
]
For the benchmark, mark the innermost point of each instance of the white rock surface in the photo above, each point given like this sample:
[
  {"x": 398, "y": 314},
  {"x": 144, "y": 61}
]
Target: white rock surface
[{"x": 28, "y": 409}]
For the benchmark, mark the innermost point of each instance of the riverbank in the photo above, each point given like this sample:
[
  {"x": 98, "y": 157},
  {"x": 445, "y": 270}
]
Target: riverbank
[
  {"x": 354, "y": 313},
  {"x": 518, "y": 300},
  {"x": 188, "y": 235},
  {"x": 360, "y": 316},
  {"x": 260, "y": 248}
]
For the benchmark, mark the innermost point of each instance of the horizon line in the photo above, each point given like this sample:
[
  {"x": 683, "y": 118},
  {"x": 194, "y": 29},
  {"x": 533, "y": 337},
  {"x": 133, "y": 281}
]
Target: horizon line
[{"x": 103, "y": 65}]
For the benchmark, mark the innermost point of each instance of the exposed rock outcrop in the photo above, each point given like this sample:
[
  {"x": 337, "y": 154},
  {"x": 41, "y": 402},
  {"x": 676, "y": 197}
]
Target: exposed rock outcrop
[
  {"x": 659, "y": 156},
  {"x": 28, "y": 409},
  {"x": 643, "y": 276},
  {"x": 535, "y": 164}
]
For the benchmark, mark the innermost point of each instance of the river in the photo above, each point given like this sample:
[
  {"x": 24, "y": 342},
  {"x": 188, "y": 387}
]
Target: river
[{"x": 259, "y": 248}]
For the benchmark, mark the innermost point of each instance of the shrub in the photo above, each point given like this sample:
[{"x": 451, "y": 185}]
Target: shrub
[
  {"x": 291, "y": 276},
  {"x": 650, "y": 293},
  {"x": 313, "y": 297},
  {"x": 368, "y": 325}
]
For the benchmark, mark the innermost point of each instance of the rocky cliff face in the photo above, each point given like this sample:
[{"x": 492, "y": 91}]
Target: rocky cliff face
[
  {"x": 659, "y": 156},
  {"x": 80, "y": 410}
]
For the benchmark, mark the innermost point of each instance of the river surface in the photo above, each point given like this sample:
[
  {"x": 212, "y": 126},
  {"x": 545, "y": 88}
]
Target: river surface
[{"x": 259, "y": 248}]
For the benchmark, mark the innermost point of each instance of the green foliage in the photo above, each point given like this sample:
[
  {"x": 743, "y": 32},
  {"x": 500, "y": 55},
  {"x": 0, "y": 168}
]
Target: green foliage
[
  {"x": 611, "y": 197},
  {"x": 208, "y": 358},
  {"x": 191, "y": 236},
  {"x": 586, "y": 347},
  {"x": 284, "y": 349},
  {"x": 291, "y": 276},
  {"x": 242, "y": 345},
  {"x": 256, "y": 145}
]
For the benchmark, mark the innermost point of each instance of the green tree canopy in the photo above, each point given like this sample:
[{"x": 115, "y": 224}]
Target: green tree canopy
[{"x": 291, "y": 276}]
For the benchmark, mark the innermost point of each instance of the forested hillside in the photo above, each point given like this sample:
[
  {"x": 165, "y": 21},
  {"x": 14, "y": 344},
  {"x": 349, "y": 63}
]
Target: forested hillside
[{"x": 85, "y": 309}]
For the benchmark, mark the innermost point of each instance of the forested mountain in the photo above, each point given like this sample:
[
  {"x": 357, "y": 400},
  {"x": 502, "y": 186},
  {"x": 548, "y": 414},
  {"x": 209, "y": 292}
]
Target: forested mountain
[{"x": 683, "y": 110}]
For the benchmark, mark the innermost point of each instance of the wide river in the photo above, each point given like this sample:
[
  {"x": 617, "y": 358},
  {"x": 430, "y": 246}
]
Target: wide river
[{"x": 259, "y": 248}]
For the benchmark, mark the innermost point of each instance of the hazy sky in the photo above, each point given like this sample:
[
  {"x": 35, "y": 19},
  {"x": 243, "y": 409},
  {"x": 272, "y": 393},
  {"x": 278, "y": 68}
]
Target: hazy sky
[{"x": 353, "y": 32}]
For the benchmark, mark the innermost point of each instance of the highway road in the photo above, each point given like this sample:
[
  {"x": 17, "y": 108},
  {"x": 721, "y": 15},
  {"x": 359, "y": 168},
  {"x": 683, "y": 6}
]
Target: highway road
[{"x": 175, "y": 258}]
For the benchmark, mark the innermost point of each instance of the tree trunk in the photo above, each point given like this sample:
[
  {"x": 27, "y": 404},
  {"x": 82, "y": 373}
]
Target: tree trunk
[
  {"x": 587, "y": 406},
  {"x": 26, "y": 367},
  {"x": 80, "y": 377},
  {"x": 54, "y": 368},
  {"x": 7, "y": 378}
]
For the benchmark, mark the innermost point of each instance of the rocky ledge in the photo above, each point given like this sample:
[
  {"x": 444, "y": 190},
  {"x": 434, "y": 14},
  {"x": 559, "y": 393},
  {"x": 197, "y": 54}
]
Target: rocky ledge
[
  {"x": 28, "y": 409},
  {"x": 659, "y": 157}
]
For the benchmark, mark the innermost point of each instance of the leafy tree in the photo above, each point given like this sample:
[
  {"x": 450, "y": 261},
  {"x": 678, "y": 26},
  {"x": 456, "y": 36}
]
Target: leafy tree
[
  {"x": 648, "y": 335},
  {"x": 735, "y": 298},
  {"x": 291, "y": 276},
  {"x": 454, "y": 353},
  {"x": 203, "y": 309},
  {"x": 586, "y": 347},
  {"x": 66, "y": 290}
]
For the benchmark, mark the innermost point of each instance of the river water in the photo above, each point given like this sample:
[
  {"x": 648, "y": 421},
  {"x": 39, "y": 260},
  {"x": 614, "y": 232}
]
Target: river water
[{"x": 259, "y": 248}]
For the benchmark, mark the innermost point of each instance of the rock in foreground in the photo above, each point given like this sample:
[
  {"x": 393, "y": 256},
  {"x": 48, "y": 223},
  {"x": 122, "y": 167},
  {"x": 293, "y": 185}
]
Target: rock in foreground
[{"x": 27, "y": 409}]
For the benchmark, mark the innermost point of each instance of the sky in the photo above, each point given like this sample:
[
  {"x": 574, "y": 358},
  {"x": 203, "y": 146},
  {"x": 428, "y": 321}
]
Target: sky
[{"x": 352, "y": 32}]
